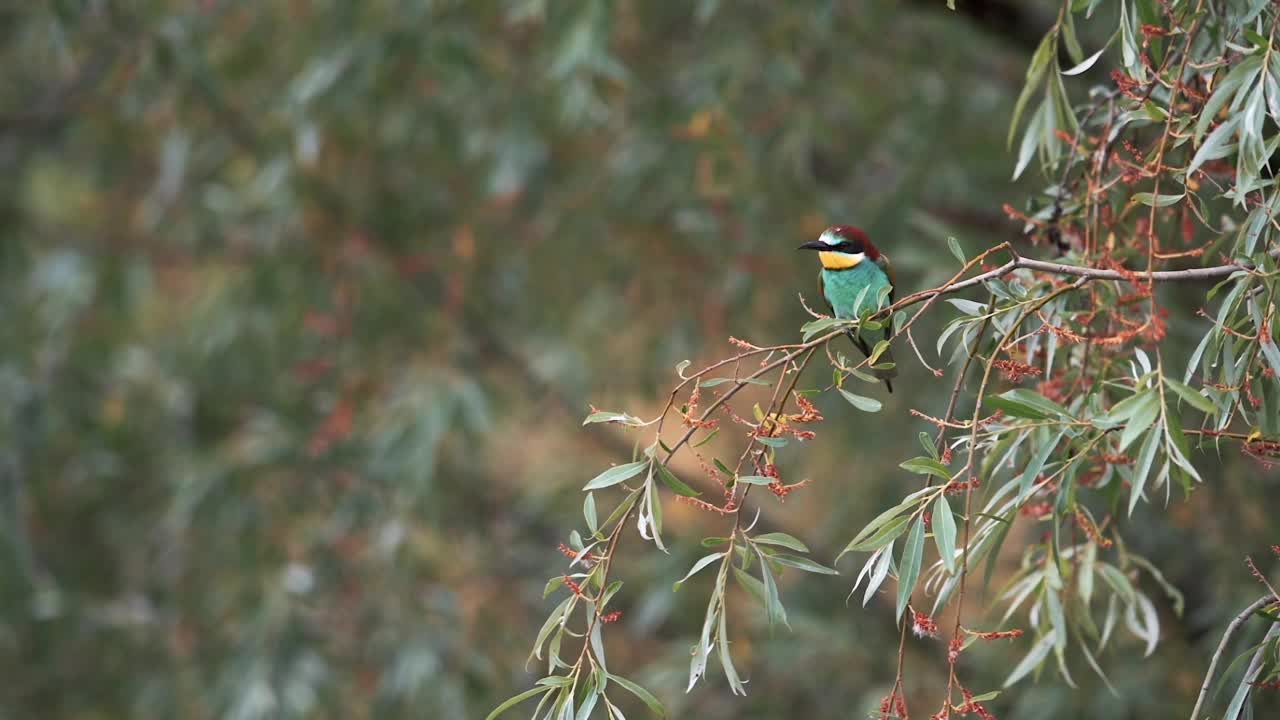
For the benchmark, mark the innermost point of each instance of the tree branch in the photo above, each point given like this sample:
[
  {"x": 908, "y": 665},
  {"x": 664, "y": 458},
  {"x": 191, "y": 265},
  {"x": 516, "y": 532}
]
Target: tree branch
[
  {"x": 1019, "y": 262},
  {"x": 1239, "y": 620}
]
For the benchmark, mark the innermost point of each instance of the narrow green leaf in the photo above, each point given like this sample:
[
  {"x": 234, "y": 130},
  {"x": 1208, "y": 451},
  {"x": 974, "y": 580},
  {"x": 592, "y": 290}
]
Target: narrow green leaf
[
  {"x": 551, "y": 622},
  {"x": 623, "y": 508},
  {"x": 1085, "y": 64},
  {"x": 773, "y": 442},
  {"x": 1143, "y": 417},
  {"x": 1217, "y": 145},
  {"x": 926, "y": 466},
  {"x": 726, "y": 658},
  {"x": 1027, "y": 483},
  {"x": 616, "y": 474},
  {"x": 944, "y": 532},
  {"x": 954, "y": 246},
  {"x": 741, "y": 381},
  {"x": 804, "y": 563},
  {"x": 1032, "y": 659},
  {"x": 1142, "y": 468},
  {"x": 756, "y": 480},
  {"x": 822, "y": 327},
  {"x": 512, "y": 702},
  {"x": 926, "y": 442},
  {"x": 1035, "y": 71},
  {"x": 754, "y": 587},
  {"x": 781, "y": 539},
  {"x": 1148, "y": 199},
  {"x": 883, "y": 518},
  {"x": 670, "y": 480},
  {"x": 877, "y": 351},
  {"x": 909, "y": 566},
  {"x": 702, "y": 563},
  {"x": 883, "y": 535},
  {"x": 645, "y": 696},
  {"x": 864, "y": 404},
  {"x": 772, "y": 601},
  {"x": 613, "y": 417},
  {"x": 710, "y": 436},
  {"x": 1025, "y": 403},
  {"x": 589, "y": 512},
  {"x": 1195, "y": 399}
]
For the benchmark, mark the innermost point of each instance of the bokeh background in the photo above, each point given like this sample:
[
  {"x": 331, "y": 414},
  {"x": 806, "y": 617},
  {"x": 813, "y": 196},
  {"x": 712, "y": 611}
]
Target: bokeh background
[{"x": 302, "y": 304}]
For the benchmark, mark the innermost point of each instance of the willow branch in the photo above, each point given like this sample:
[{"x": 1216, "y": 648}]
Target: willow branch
[
  {"x": 1239, "y": 620},
  {"x": 1189, "y": 274}
]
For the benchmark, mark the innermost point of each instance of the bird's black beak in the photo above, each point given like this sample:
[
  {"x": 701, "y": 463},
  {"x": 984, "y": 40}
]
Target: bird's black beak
[{"x": 815, "y": 245}]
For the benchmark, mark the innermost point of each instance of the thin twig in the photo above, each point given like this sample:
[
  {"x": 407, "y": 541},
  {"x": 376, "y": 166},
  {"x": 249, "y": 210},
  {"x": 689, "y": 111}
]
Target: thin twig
[{"x": 1260, "y": 603}]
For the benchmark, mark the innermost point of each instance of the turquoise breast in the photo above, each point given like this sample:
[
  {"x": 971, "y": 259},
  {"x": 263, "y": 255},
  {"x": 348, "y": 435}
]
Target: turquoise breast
[{"x": 842, "y": 288}]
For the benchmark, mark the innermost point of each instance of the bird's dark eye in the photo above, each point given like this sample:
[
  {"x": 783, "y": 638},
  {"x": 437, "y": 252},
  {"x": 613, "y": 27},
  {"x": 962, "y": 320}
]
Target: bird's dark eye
[{"x": 849, "y": 247}]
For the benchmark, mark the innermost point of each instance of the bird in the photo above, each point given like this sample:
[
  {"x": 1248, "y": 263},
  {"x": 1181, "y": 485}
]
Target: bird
[{"x": 851, "y": 263}]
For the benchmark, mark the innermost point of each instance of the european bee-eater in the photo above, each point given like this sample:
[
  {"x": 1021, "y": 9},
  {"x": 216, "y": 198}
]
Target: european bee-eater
[{"x": 844, "y": 251}]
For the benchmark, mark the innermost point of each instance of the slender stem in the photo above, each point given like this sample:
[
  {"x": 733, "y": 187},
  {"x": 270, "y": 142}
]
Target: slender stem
[{"x": 1260, "y": 603}]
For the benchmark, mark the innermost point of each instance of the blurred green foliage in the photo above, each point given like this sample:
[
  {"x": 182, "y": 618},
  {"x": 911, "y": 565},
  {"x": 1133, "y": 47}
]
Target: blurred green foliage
[{"x": 301, "y": 305}]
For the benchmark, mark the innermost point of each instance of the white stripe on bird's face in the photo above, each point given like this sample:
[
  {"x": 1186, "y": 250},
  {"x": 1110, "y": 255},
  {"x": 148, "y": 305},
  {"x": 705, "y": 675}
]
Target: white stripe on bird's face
[
  {"x": 832, "y": 260},
  {"x": 830, "y": 238}
]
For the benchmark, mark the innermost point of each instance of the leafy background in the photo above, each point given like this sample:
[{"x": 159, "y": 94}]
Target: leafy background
[{"x": 302, "y": 303}]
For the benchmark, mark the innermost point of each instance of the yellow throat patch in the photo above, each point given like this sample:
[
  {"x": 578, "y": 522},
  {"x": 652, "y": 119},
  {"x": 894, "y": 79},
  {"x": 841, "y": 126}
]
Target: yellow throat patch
[{"x": 838, "y": 260}]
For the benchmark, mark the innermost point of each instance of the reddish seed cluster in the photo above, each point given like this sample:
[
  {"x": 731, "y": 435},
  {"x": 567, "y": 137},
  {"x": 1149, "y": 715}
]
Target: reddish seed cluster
[
  {"x": 971, "y": 707},
  {"x": 953, "y": 649},
  {"x": 611, "y": 617},
  {"x": 573, "y": 586},
  {"x": 729, "y": 507},
  {"x": 1253, "y": 570},
  {"x": 1014, "y": 371},
  {"x": 1130, "y": 87},
  {"x": 808, "y": 411},
  {"x": 782, "y": 491},
  {"x": 1275, "y": 549},
  {"x": 1090, "y": 477},
  {"x": 996, "y": 634},
  {"x": 1036, "y": 510},
  {"x": 893, "y": 706},
  {"x": 1094, "y": 533},
  {"x": 957, "y": 487},
  {"x": 928, "y": 521},
  {"x": 1264, "y": 451},
  {"x": 1268, "y": 685},
  {"x": 923, "y": 625},
  {"x": 573, "y": 555},
  {"x": 1111, "y": 459},
  {"x": 687, "y": 413},
  {"x": 1150, "y": 31}
]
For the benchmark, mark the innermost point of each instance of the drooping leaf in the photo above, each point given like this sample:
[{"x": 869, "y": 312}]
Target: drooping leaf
[
  {"x": 944, "y": 532},
  {"x": 645, "y": 696},
  {"x": 702, "y": 563},
  {"x": 864, "y": 404},
  {"x": 781, "y": 539},
  {"x": 909, "y": 565},
  {"x": 926, "y": 466},
  {"x": 1024, "y": 403},
  {"x": 514, "y": 701},
  {"x": 670, "y": 480},
  {"x": 617, "y": 474}
]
